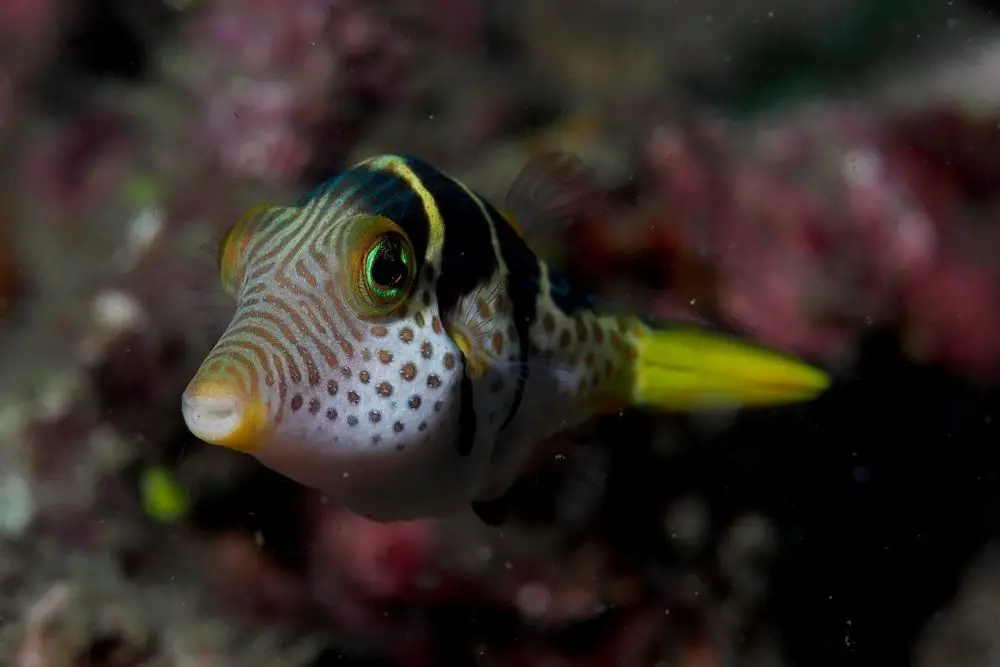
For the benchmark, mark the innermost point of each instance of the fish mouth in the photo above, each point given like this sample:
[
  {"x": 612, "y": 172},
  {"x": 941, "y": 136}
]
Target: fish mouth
[{"x": 217, "y": 412}]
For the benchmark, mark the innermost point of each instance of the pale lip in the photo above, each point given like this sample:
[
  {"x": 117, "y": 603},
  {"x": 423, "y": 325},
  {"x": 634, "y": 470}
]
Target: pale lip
[{"x": 219, "y": 414}]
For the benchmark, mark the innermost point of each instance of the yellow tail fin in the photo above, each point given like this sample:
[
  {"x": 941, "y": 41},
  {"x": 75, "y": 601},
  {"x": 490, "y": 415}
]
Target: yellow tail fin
[{"x": 687, "y": 368}]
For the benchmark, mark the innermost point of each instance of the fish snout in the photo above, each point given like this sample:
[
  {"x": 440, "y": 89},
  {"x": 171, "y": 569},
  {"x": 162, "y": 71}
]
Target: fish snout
[{"x": 219, "y": 412}]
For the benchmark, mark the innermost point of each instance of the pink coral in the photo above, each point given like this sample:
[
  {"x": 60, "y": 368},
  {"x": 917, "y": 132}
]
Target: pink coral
[
  {"x": 81, "y": 163},
  {"x": 27, "y": 31},
  {"x": 461, "y": 22},
  {"x": 953, "y": 314},
  {"x": 255, "y": 132},
  {"x": 247, "y": 580},
  {"x": 26, "y": 17},
  {"x": 822, "y": 225},
  {"x": 275, "y": 76},
  {"x": 361, "y": 569},
  {"x": 382, "y": 561}
]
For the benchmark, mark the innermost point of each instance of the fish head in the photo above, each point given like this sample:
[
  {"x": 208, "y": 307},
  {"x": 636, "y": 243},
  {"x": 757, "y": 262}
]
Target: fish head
[{"x": 335, "y": 369}]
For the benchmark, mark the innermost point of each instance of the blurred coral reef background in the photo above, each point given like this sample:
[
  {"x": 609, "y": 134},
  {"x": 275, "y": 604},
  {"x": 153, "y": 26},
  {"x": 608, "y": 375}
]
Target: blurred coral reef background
[{"x": 819, "y": 174}]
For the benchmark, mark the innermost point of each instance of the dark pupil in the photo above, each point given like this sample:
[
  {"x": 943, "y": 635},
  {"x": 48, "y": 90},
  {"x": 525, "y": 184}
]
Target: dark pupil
[{"x": 389, "y": 269}]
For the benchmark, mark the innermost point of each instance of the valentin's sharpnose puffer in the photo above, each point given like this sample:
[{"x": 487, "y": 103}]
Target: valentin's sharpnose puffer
[{"x": 397, "y": 345}]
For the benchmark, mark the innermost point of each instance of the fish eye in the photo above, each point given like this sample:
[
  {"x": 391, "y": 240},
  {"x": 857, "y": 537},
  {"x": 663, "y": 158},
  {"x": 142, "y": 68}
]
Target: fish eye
[{"x": 389, "y": 269}]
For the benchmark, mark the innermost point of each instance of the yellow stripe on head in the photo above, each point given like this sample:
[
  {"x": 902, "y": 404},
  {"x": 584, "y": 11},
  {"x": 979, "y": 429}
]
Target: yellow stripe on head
[{"x": 397, "y": 165}]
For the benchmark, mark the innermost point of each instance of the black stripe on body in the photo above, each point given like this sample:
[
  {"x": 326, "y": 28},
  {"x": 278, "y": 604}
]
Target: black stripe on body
[
  {"x": 523, "y": 284},
  {"x": 468, "y": 261}
]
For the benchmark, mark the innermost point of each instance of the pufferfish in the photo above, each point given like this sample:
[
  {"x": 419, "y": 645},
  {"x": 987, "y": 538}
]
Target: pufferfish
[{"x": 398, "y": 346}]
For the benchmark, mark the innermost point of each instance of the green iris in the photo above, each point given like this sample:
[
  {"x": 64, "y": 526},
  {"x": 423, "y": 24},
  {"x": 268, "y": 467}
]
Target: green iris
[{"x": 389, "y": 268}]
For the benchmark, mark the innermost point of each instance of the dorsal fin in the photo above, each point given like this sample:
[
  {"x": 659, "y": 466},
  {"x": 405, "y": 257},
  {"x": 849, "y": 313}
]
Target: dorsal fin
[{"x": 551, "y": 191}]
